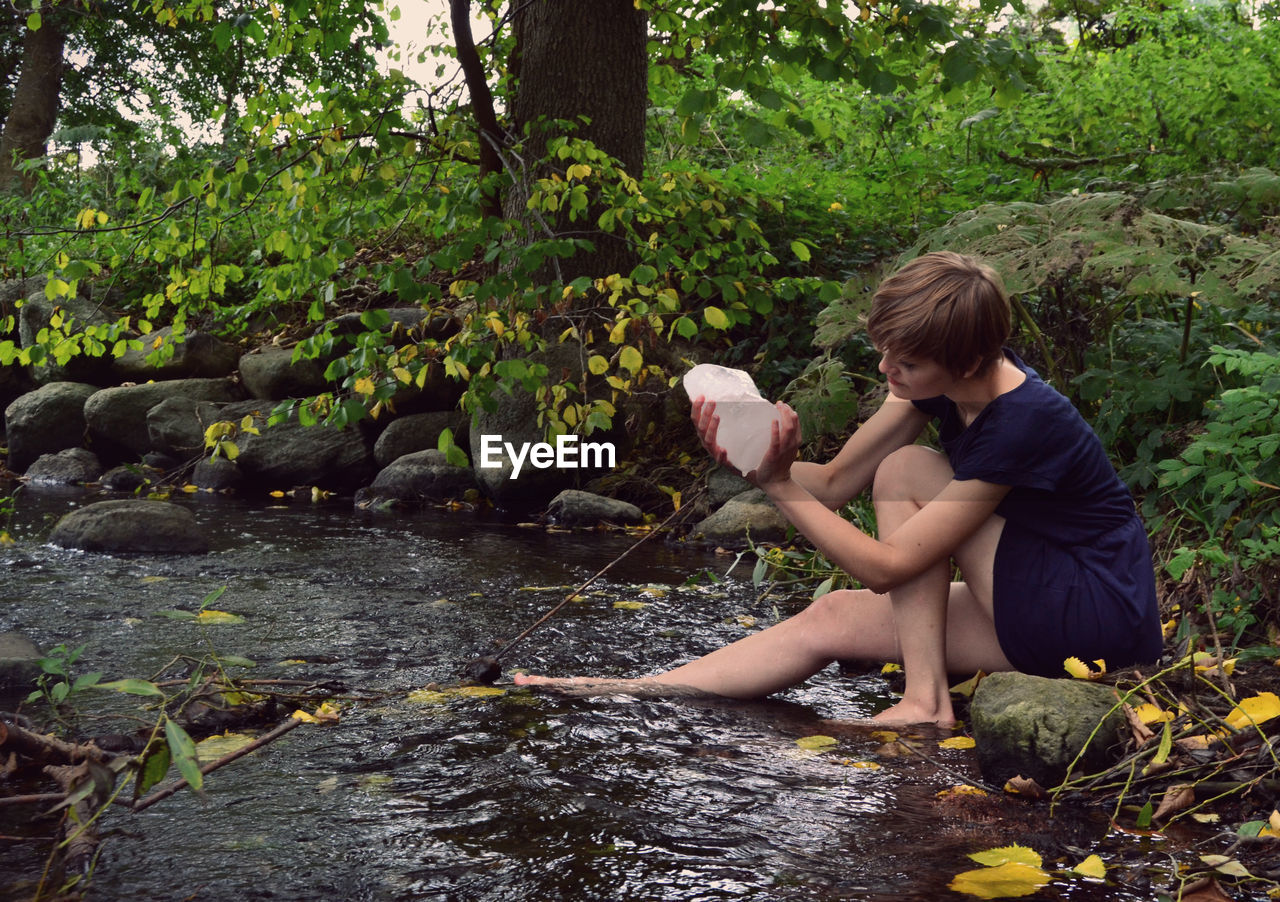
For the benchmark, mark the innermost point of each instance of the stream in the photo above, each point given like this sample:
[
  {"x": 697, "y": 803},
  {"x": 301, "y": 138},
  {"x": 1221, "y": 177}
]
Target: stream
[{"x": 521, "y": 795}]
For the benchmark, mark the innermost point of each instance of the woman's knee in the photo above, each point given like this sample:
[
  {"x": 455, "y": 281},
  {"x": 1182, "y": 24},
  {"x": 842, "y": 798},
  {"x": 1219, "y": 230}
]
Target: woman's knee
[{"x": 913, "y": 472}]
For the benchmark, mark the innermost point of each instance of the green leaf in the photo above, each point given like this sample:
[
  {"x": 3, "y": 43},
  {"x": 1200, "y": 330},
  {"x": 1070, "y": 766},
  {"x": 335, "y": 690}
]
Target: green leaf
[
  {"x": 716, "y": 318},
  {"x": 155, "y": 764},
  {"x": 34, "y": 21},
  {"x": 133, "y": 687},
  {"x": 183, "y": 751},
  {"x": 801, "y": 250}
]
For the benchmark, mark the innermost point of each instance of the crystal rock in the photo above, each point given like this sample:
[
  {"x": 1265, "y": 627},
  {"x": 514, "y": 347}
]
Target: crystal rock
[{"x": 745, "y": 417}]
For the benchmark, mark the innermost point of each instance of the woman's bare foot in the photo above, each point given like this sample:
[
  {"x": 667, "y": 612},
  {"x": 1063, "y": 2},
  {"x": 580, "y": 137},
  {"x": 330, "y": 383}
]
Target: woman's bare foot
[{"x": 906, "y": 713}]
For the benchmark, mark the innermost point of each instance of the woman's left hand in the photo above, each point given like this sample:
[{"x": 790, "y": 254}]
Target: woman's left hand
[{"x": 784, "y": 448}]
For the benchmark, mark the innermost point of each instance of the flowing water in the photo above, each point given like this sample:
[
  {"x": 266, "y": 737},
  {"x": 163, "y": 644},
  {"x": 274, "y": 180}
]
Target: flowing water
[{"x": 518, "y": 796}]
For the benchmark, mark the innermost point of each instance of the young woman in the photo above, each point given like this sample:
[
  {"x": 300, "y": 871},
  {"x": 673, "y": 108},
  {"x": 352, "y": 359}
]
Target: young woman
[{"x": 1053, "y": 557}]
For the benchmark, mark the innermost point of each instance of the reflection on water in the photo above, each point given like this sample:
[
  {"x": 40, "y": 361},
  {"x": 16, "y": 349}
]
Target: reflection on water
[{"x": 516, "y": 797}]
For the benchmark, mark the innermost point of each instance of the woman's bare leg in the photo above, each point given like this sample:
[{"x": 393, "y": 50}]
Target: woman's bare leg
[{"x": 930, "y": 625}]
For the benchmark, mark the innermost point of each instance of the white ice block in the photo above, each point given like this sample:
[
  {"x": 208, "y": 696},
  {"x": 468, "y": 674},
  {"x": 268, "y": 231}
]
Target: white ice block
[{"x": 745, "y": 417}]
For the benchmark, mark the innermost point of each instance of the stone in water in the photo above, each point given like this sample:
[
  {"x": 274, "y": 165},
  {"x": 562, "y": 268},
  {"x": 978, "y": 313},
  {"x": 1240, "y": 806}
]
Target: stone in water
[{"x": 746, "y": 419}]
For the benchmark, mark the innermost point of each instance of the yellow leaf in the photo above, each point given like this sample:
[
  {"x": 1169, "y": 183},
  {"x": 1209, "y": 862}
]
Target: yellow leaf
[
  {"x": 1077, "y": 668},
  {"x": 957, "y": 742},
  {"x": 961, "y": 789},
  {"x": 1091, "y": 867},
  {"x": 631, "y": 359},
  {"x": 1149, "y": 714},
  {"x": 443, "y": 696},
  {"x": 403, "y": 375},
  {"x": 364, "y": 386},
  {"x": 813, "y": 743},
  {"x": 618, "y": 334},
  {"x": 966, "y": 689},
  {"x": 631, "y": 605},
  {"x": 218, "y": 617},
  {"x": 597, "y": 365},
  {"x": 215, "y": 747},
  {"x": 891, "y": 667},
  {"x": 654, "y": 591},
  {"x": 884, "y": 736},
  {"x": 303, "y": 716},
  {"x": 1005, "y": 881},
  {"x": 1256, "y": 710},
  {"x": 1008, "y": 855}
]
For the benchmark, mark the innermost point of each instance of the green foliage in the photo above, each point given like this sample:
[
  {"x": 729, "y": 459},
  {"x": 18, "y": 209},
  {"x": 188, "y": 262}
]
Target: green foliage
[{"x": 56, "y": 683}]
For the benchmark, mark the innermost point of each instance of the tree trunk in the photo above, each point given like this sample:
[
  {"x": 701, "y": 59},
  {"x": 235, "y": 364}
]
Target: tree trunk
[
  {"x": 35, "y": 102},
  {"x": 575, "y": 59}
]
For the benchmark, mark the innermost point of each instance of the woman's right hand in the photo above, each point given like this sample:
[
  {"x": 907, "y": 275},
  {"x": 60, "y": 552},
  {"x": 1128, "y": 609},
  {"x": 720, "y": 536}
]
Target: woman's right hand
[{"x": 706, "y": 422}]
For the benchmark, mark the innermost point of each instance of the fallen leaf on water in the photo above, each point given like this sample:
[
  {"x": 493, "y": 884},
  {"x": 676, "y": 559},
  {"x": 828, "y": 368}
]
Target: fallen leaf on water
[
  {"x": 1008, "y": 855},
  {"x": 444, "y": 696},
  {"x": 215, "y": 747},
  {"x": 1024, "y": 786},
  {"x": 814, "y": 743},
  {"x": 961, "y": 789},
  {"x": 631, "y": 605},
  {"x": 1091, "y": 867},
  {"x": 1256, "y": 710},
  {"x": 1005, "y": 881},
  {"x": 1206, "y": 890},
  {"x": 1224, "y": 864},
  {"x": 957, "y": 742},
  {"x": 219, "y": 617},
  {"x": 884, "y": 736},
  {"x": 861, "y": 765}
]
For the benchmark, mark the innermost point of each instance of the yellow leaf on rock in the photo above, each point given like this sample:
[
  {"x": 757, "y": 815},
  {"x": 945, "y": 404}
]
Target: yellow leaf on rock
[
  {"x": 957, "y": 742},
  {"x": 1005, "y": 881},
  {"x": 1256, "y": 710},
  {"x": 816, "y": 742},
  {"x": 1091, "y": 867},
  {"x": 1008, "y": 855},
  {"x": 1077, "y": 668}
]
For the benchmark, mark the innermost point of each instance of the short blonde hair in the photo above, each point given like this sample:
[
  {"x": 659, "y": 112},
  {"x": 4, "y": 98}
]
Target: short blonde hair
[{"x": 945, "y": 307}]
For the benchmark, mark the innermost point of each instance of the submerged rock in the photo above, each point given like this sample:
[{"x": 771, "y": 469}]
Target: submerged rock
[
  {"x": 576, "y": 508},
  {"x": 1036, "y": 727},
  {"x": 131, "y": 527}
]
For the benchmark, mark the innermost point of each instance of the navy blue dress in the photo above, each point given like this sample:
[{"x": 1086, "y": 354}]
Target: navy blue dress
[{"x": 1073, "y": 570}]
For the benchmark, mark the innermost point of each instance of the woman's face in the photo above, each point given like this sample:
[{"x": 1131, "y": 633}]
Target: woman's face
[{"x": 914, "y": 379}]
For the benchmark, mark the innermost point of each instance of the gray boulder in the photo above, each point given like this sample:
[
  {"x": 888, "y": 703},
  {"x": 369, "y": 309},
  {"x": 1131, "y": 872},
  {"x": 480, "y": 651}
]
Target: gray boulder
[
  {"x": 1035, "y": 727},
  {"x": 130, "y": 478},
  {"x": 574, "y": 508},
  {"x": 418, "y": 478},
  {"x": 289, "y": 454},
  {"x": 131, "y": 527},
  {"x": 270, "y": 374},
  {"x": 117, "y": 417},
  {"x": 419, "y": 432},
  {"x": 19, "y": 665},
  {"x": 74, "y": 466},
  {"x": 217, "y": 474},
  {"x": 195, "y": 355},
  {"x": 49, "y": 419},
  {"x": 744, "y": 518},
  {"x": 723, "y": 484}
]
